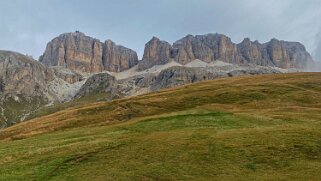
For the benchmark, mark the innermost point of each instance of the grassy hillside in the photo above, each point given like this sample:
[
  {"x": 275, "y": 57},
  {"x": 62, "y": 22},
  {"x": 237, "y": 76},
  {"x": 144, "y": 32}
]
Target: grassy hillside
[
  {"x": 16, "y": 108},
  {"x": 260, "y": 127}
]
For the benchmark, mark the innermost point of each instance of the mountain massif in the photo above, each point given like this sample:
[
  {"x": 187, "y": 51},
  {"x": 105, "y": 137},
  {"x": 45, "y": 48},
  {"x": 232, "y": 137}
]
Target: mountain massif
[
  {"x": 81, "y": 53},
  {"x": 75, "y": 66},
  {"x": 89, "y": 110},
  {"x": 212, "y": 47}
]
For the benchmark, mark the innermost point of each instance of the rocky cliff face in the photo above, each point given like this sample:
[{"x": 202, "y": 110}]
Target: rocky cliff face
[
  {"x": 81, "y": 53},
  {"x": 108, "y": 87},
  {"x": 67, "y": 75},
  {"x": 27, "y": 85},
  {"x": 176, "y": 76},
  {"x": 288, "y": 54},
  {"x": 99, "y": 84},
  {"x": 250, "y": 52},
  {"x": 207, "y": 48},
  {"x": 212, "y": 47},
  {"x": 118, "y": 58},
  {"x": 24, "y": 87},
  {"x": 22, "y": 75},
  {"x": 156, "y": 52},
  {"x": 274, "y": 53},
  {"x": 2, "y": 86}
]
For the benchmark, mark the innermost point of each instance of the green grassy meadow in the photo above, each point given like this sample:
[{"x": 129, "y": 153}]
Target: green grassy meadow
[{"x": 246, "y": 128}]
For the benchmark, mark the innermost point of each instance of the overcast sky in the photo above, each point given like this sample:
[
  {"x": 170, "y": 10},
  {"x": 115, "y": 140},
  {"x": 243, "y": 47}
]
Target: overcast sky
[{"x": 27, "y": 25}]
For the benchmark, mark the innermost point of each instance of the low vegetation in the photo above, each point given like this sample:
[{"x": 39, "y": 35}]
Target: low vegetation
[
  {"x": 245, "y": 128},
  {"x": 16, "y": 108}
]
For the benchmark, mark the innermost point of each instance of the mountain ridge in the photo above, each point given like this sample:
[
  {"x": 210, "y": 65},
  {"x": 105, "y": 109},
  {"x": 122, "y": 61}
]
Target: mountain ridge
[
  {"x": 82, "y": 53},
  {"x": 98, "y": 56},
  {"x": 75, "y": 66}
]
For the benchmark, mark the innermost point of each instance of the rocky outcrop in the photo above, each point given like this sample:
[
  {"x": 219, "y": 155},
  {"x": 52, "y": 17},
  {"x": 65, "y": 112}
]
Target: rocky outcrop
[
  {"x": 118, "y": 58},
  {"x": 97, "y": 84},
  {"x": 254, "y": 71},
  {"x": 276, "y": 53},
  {"x": 2, "y": 85},
  {"x": 67, "y": 74},
  {"x": 23, "y": 86},
  {"x": 176, "y": 76},
  {"x": 27, "y": 85},
  {"x": 22, "y": 75},
  {"x": 136, "y": 85},
  {"x": 109, "y": 88},
  {"x": 74, "y": 51},
  {"x": 156, "y": 52},
  {"x": 82, "y": 53},
  {"x": 288, "y": 54},
  {"x": 207, "y": 48},
  {"x": 213, "y": 47},
  {"x": 250, "y": 52}
]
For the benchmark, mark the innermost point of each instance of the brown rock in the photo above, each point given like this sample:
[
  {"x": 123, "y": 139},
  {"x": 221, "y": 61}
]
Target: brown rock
[
  {"x": 23, "y": 75},
  {"x": 98, "y": 84},
  {"x": 274, "y": 53},
  {"x": 212, "y": 47},
  {"x": 207, "y": 48},
  {"x": 81, "y": 53},
  {"x": 156, "y": 52},
  {"x": 250, "y": 52},
  {"x": 118, "y": 58},
  {"x": 67, "y": 74},
  {"x": 75, "y": 51}
]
